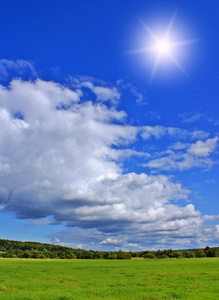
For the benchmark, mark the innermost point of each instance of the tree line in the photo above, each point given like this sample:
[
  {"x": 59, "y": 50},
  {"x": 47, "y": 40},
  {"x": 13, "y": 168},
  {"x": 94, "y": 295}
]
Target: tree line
[{"x": 17, "y": 249}]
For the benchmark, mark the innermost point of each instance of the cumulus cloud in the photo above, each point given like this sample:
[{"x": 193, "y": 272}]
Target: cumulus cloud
[
  {"x": 212, "y": 218},
  {"x": 102, "y": 93},
  {"x": 194, "y": 155},
  {"x": 186, "y": 230},
  {"x": 201, "y": 148},
  {"x": 110, "y": 241},
  {"x": 61, "y": 162},
  {"x": 101, "y": 90}
]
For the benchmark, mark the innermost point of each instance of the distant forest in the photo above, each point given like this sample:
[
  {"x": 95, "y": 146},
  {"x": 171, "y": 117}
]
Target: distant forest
[{"x": 16, "y": 249}]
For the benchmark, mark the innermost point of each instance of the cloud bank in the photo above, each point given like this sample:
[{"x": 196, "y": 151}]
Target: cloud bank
[{"x": 62, "y": 162}]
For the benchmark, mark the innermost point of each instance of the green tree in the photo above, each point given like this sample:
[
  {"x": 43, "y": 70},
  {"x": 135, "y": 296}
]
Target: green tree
[
  {"x": 189, "y": 254},
  {"x": 149, "y": 255},
  {"x": 200, "y": 253},
  {"x": 177, "y": 254},
  {"x": 26, "y": 254},
  {"x": 97, "y": 255},
  {"x": 163, "y": 256}
]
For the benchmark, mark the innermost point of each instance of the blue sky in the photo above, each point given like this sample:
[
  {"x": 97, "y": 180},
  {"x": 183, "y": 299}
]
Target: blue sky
[{"x": 104, "y": 145}]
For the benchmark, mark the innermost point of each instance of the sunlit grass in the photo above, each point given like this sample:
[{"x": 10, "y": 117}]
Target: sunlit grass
[{"x": 101, "y": 279}]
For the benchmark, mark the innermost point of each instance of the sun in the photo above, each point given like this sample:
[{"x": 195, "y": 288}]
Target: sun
[{"x": 164, "y": 47}]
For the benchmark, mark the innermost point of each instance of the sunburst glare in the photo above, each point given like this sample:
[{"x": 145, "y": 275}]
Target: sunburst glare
[{"x": 164, "y": 47}]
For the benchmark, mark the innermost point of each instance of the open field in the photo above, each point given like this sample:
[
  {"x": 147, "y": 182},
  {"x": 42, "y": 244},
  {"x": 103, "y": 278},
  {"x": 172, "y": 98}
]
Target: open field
[{"x": 108, "y": 279}]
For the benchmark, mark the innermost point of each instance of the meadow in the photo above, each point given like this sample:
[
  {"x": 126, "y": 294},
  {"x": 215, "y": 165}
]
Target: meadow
[{"x": 31, "y": 279}]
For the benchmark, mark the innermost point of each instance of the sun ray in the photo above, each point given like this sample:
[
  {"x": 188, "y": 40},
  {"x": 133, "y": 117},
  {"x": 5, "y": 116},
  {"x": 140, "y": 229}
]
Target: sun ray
[
  {"x": 149, "y": 30},
  {"x": 164, "y": 47},
  {"x": 155, "y": 66},
  {"x": 186, "y": 42},
  {"x": 169, "y": 28},
  {"x": 141, "y": 50},
  {"x": 177, "y": 64}
]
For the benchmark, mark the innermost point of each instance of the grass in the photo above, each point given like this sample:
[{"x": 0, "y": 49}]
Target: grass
[{"x": 101, "y": 279}]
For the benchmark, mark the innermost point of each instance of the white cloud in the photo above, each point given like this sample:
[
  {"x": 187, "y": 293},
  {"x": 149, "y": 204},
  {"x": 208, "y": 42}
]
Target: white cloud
[
  {"x": 217, "y": 228},
  {"x": 194, "y": 155},
  {"x": 20, "y": 67},
  {"x": 211, "y": 218},
  {"x": 61, "y": 158},
  {"x": 201, "y": 117},
  {"x": 179, "y": 161},
  {"x": 188, "y": 230},
  {"x": 190, "y": 118},
  {"x": 110, "y": 241},
  {"x": 126, "y": 86},
  {"x": 161, "y": 131},
  {"x": 179, "y": 146},
  {"x": 209, "y": 181},
  {"x": 102, "y": 93},
  {"x": 201, "y": 148}
]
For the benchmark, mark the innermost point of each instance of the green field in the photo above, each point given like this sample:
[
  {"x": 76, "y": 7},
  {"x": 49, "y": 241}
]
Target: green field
[{"x": 106, "y": 279}]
